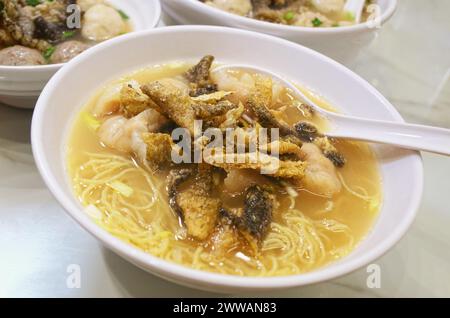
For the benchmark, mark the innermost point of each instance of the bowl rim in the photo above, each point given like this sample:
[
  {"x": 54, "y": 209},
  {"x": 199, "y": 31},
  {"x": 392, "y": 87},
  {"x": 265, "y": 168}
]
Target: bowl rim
[
  {"x": 185, "y": 275},
  {"x": 274, "y": 27},
  {"x": 54, "y": 67}
]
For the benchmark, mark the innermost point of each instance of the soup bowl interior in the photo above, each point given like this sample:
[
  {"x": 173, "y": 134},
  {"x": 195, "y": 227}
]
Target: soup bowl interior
[
  {"x": 20, "y": 86},
  {"x": 73, "y": 86}
]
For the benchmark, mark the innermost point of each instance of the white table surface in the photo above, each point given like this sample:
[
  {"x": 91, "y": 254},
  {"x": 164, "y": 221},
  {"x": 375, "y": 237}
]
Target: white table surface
[{"x": 409, "y": 63}]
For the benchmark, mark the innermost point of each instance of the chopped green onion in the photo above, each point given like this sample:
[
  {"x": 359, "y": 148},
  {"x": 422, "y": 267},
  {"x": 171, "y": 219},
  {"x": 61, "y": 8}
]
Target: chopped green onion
[
  {"x": 122, "y": 188},
  {"x": 91, "y": 121},
  {"x": 316, "y": 22},
  {"x": 349, "y": 16},
  {"x": 68, "y": 34},
  {"x": 93, "y": 212},
  {"x": 49, "y": 52},
  {"x": 289, "y": 15},
  {"x": 123, "y": 14},
  {"x": 33, "y": 3}
]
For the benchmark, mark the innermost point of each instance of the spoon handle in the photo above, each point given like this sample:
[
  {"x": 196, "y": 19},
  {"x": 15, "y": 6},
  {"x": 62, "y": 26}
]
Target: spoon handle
[
  {"x": 416, "y": 137},
  {"x": 355, "y": 8}
]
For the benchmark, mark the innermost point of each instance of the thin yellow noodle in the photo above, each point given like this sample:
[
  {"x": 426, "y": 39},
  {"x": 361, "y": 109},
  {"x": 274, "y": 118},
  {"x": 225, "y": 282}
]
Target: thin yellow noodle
[
  {"x": 364, "y": 197},
  {"x": 294, "y": 245}
]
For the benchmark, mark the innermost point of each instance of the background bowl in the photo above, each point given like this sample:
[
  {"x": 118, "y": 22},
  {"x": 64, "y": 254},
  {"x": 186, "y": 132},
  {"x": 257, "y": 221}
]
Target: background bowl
[
  {"x": 342, "y": 44},
  {"x": 20, "y": 86},
  {"x": 74, "y": 85}
]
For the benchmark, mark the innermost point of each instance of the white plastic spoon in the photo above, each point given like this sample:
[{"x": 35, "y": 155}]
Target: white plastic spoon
[
  {"x": 355, "y": 9},
  {"x": 416, "y": 137}
]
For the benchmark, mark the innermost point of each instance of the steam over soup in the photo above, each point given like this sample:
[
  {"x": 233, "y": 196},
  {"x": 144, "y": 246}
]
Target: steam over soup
[
  {"x": 151, "y": 159},
  {"x": 306, "y": 13}
]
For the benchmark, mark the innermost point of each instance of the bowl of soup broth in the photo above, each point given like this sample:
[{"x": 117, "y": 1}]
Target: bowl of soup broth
[
  {"x": 322, "y": 25},
  {"x": 38, "y": 37},
  {"x": 221, "y": 179}
]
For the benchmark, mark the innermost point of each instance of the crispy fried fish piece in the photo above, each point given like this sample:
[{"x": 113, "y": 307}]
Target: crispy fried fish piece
[
  {"x": 259, "y": 102},
  {"x": 258, "y": 161},
  {"x": 195, "y": 205},
  {"x": 266, "y": 10},
  {"x": 199, "y": 79},
  {"x": 260, "y": 4},
  {"x": 133, "y": 101},
  {"x": 330, "y": 151},
  {"x": 21, "y": 26},
  {"x": 256, "y": 216},
  {"x": 159, "y": 149},
  {"x": 183, "y": 109},
  {"x": 309, "y": 133},
  {"x": 284, "y": 147},
  {"x": 5, "y": 37},
  {"x": 206, "y": 111},
  {"x": 172, "y": 103},
  {"x": 226, "y": 236},
  {"x": 200, "y": 72}
]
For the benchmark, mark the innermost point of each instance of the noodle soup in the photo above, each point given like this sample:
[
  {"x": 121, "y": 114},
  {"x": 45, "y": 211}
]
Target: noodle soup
[
  {"x": 229, "y": 219},
  {"x": 303, "y": 13}
]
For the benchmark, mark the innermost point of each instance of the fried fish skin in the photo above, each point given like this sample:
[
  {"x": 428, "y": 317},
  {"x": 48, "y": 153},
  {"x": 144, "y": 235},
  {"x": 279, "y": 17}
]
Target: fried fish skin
[
  {"x": 133, "y": 101},
  {"x": 159, "y": 149},
  {"x": 172, "y": 103},
  {"x": 259, "y": 102},
  {"x": 199, "y": 77},
  {"x": 195, "y": 205},
  {"x": 255, "y": 218},
  {"x": 258, "y": 161}
]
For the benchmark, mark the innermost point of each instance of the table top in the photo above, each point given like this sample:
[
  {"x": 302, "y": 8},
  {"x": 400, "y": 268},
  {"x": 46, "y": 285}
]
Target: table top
[{"x": 40, "y": 244}]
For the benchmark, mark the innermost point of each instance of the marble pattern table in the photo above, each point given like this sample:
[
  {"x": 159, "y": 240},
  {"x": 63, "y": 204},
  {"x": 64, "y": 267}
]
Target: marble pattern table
[{"x": 410, "y": 66}]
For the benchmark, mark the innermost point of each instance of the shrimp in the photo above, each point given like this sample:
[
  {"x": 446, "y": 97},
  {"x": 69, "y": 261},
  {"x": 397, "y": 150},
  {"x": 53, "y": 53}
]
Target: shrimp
[
  {"x": 320, "y": 174},
  {"x": 231, "y": 82},
  {"x": 125, "y": 97},
  {"x": 126, "y": 135}
]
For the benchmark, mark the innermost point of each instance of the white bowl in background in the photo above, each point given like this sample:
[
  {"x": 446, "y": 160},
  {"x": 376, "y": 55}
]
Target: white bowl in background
[
  {"x": 342, "y": 43},
  {"x": 20, "y": 86},
  {"x": 70, "y": 89}
]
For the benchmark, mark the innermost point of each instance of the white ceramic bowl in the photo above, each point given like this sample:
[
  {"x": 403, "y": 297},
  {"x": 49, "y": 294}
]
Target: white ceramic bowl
[
  {"x": 20, "y": 86},
  {"x": 343, "y": 44},
  {"x": 74, "y": 84}
]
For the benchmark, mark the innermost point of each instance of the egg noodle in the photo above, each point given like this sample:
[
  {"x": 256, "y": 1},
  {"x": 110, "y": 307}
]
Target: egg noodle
[{"x": 130, "y": 203}]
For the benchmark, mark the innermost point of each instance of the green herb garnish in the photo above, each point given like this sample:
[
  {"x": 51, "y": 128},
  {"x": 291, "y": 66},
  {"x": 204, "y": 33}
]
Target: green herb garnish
[
  {"x": 49, "y": 52},
  {"x": 289, "y": 15},
  {"x": 68, "y": 34},
  {"x": 316, "y": 22},
  {"x": 349, "y": 16},
  {"x": 123, "y": 14},
  {"x": 33, "y": 3}
]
